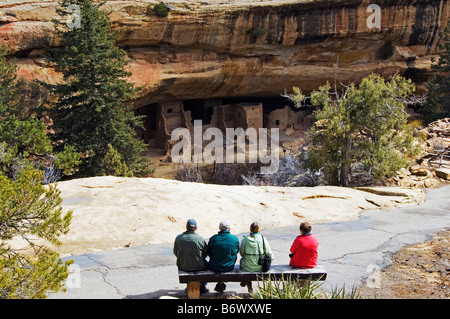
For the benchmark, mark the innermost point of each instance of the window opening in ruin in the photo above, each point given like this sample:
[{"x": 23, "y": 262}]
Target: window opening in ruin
[
  {"x": 199, "y": 110},
  {"x": 269, "y": 103}
]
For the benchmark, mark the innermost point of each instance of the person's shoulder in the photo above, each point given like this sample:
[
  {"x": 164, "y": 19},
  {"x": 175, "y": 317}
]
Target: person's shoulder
[
  {"x": 197, "y": 236},
  {"x": 179, "y": 236}
]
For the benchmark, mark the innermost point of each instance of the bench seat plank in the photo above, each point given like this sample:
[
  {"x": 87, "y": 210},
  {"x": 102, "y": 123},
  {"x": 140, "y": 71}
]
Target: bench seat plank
[{"x": 237, "y": 275}]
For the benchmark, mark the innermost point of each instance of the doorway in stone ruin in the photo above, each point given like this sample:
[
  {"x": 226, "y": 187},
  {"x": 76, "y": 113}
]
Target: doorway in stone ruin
[
  {"x": 148, "y": 114},
  {"x": 201, "y": 109}
]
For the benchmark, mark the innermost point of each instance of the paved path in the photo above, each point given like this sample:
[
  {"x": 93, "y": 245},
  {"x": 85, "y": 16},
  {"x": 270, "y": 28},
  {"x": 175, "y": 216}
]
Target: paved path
[{"x": 350, "y": 251}]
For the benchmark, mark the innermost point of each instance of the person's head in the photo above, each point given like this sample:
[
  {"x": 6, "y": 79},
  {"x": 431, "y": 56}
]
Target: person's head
[
  {"x": 224, "y": 225},
  {"x": 191, "y": 225},
  {"x": 254, "y": 227},
  {"x": 305, "y": 228}
]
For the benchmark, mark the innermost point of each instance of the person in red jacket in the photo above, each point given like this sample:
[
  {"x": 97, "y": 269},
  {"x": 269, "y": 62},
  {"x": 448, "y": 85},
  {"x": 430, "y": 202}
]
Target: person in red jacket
[{"x": 304, "y": 248}]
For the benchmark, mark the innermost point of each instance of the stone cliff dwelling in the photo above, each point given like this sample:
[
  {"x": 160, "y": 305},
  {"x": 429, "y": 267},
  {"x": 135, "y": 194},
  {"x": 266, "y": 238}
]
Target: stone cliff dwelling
[{"x": 161, "y": 119}]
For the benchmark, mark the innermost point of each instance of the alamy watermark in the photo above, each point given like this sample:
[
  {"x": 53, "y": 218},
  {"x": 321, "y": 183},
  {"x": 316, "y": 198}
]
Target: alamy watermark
[
  {"x": 74, "y": 278},
  {"x": 251, "y": 145},
  {"x": 374, "y": 278},
  {"x": 74, "y": 19},
  {"x": 374, "y": 19}
]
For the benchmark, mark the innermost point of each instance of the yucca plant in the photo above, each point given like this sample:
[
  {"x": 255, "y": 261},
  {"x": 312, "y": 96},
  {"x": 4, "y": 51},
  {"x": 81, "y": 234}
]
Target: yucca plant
[
  {"x": 286, "y": 288},
  {"x": 341, "y": 293}
]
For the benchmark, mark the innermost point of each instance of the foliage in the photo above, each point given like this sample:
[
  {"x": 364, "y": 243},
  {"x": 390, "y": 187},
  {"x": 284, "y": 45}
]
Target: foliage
[
  {"x": 27, "y": 209},
  {"x": 30, "y": 210},
  {"x": 437, "y": 104},
  {"x": 23, "y": 139},
  {"x": 161, "y": 10},
  {"x": 286, "y": 288},
  {"x": 387, "y": 50},
  {"x": 92, "y": 109},
  {"x": 113, "y": 164},
  {"x": 363, "y": 125},
  {"x": 292, "y": 171},
  {"x": 188, "y": 173},
  {"x": 257, "y": 32},
  {"x": 8, "y": 84}
]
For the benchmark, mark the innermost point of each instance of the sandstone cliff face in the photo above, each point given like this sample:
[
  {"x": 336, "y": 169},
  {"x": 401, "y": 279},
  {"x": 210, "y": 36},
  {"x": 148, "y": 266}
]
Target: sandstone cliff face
[{"x": 213, "y": 49}]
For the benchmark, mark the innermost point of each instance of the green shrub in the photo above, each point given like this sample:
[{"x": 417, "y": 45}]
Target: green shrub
[
  {"x": 161, "y": 10},
  {"x": 113, "y": 164},
  {"x": 28, "y": 208},
  {"x": 387, "y": 50},
  {"x": 286, "y": 288},
  {"x": 257, "y": 32}
]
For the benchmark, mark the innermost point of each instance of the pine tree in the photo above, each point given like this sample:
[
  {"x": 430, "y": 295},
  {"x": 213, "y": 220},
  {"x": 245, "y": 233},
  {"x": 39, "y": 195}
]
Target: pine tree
[
  {"x": 365, "y": 124},
  {"x": 92, "y": 111},
  {"x": 437, "y": 104},
  {"x": 113, "y": 165}
]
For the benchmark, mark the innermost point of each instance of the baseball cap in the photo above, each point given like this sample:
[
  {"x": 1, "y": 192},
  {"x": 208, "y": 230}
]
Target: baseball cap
[
  {"x": 191, "y": 223},
  {"x": 224, "y": 224}
]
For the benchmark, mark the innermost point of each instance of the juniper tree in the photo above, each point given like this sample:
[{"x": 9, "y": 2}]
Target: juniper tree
[
  {"x": 92, "y": 108},
  {"x": 365, "y": 124},
  {"x": 437, "y": 104}
]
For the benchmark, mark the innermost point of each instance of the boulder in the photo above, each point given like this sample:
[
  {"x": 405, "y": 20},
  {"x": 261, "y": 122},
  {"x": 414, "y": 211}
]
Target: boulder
[{"x": 443, "y": 173}]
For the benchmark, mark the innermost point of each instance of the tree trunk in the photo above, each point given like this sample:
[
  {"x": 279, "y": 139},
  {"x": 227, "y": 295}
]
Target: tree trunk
[{"x": 344, "y": 177}]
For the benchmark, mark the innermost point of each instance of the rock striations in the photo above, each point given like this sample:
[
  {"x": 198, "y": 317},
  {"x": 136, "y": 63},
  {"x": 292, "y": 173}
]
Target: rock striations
[{"x": 240, "y": 48}]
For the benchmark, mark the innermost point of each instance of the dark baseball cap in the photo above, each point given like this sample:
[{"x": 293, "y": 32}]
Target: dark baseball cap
[{"x": 191, "y": 223}]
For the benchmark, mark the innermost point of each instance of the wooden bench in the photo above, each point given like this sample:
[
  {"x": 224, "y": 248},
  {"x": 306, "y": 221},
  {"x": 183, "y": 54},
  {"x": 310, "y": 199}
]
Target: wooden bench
[{"x": 276, "y": 272}]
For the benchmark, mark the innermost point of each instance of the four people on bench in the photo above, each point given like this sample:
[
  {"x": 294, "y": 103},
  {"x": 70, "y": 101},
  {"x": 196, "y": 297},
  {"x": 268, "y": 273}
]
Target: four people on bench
[{"x": 191, "y": 251}]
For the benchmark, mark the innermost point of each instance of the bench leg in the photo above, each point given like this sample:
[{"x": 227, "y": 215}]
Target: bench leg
[{"x": 193, "y": 289}]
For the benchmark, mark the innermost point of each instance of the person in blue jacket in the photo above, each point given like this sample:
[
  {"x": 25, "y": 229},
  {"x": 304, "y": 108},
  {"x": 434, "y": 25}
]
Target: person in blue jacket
[{"x": 223, "y": 249}]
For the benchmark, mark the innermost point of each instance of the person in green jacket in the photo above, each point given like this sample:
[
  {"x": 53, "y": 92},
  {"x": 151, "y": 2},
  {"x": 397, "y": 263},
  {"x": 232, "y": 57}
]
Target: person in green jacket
[
  {"x": 223, "y": 249},
  {"x": 252, "y": 247},
  {"x": 191, "y": 251}
]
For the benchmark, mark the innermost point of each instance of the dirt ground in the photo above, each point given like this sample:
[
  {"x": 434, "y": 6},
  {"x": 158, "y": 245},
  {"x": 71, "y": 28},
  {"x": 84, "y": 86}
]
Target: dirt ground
[{"x": 420, "y": 271}]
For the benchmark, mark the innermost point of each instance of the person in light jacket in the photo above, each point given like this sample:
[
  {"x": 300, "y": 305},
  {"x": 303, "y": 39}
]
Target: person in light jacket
[{"x": 251, "y": 248}]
